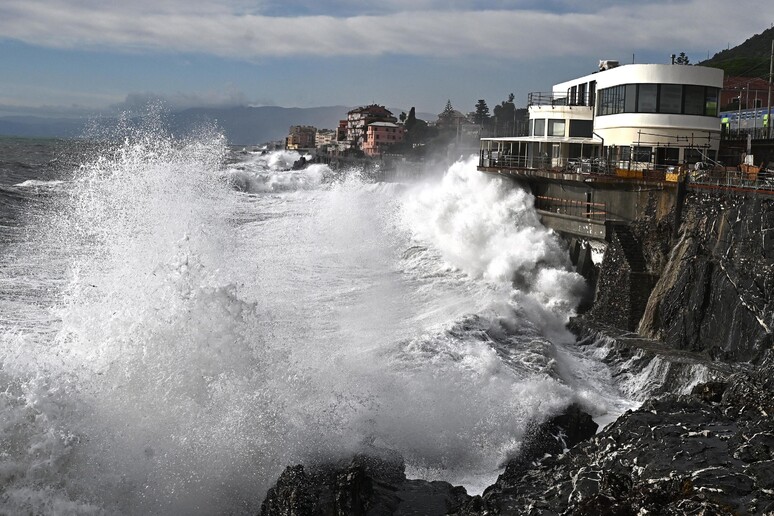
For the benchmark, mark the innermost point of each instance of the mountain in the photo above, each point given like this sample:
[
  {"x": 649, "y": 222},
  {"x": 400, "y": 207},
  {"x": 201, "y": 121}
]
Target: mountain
[
  {"x": 242, "y": 125},
  {"x": 750, "y": 59},
  {"x": 253, "y": 125}
]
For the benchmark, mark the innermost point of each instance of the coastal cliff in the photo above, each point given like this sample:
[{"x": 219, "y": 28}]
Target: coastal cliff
[{"x": 687, "y": 308}]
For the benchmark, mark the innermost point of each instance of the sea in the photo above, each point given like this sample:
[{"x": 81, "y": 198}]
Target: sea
[{"x": 181, "y": 319}]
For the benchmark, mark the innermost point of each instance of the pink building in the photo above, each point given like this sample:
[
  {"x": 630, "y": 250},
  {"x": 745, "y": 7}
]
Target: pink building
[
  {"x": 359, "y": 119},
  {"x": 380, "y": 136}
]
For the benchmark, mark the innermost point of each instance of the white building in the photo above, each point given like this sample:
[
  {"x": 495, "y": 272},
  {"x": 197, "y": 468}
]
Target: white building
[{"x": 629, "y": 117}]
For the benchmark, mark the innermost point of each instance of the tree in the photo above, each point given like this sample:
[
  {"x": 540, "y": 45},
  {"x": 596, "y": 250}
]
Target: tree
[
  {"x": 505, "y": 117},
  {"x": 402, "y": 117},
  {"x": 481, "y": 116},
  {"x": 411, "y": 120},
  {"x": 682, "y": 59}
]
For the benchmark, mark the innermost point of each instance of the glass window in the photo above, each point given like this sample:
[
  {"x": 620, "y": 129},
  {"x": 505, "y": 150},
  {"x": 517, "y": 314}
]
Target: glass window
[
  {"x": 626, "y": 153},
  {"x": 694, "y": 100},
  {"x": 711, "y": 102},
  {"x": 581, "y": 128},
  {"x": 646, "y": 100},
  {"x": 619, "y": 104},
  {"x": 540, "y": 127},
  {"x": 693, "y": 155},
  {"x": 630, "y": 105},
  {"x": 670, "y": 98},
  {"x": 582, "y": 94},
  {"x": 592, "y": 92},
  {"x": 556, "y": 128},
  {"x": 642, "y": 154}
]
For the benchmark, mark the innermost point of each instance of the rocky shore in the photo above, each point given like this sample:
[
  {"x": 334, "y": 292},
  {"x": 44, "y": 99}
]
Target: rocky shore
[{"x": 682, "y": 313}]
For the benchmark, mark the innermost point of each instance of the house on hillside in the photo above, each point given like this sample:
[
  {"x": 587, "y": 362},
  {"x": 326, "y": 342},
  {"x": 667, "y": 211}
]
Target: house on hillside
[
  {"x": 744, "y": 93},
  {"x": 380, "y": 136},
  {"x": 360, "y": 118},
  {"x": 300, "y": 137}
]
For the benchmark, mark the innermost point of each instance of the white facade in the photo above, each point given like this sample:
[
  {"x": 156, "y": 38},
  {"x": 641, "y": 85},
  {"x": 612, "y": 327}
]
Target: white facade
[{"x": 635, "y": 116}]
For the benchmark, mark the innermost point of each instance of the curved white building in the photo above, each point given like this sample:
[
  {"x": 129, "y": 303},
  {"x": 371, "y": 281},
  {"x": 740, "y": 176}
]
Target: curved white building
[{"x": 631, "y": 117}]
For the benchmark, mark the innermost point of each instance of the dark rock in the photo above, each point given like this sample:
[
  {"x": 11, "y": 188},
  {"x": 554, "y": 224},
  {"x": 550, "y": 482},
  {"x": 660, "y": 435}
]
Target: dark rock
[
  {"x": 550, "y": 438},
  {"x": 693, "y": 454},
  {"x": 711, "y": 392},
  {"x": 716, "y": 291},
  {"x": 368, "y": 485}
]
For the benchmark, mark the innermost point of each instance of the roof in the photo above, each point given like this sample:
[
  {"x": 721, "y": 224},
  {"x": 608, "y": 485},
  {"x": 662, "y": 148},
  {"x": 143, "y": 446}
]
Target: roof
[
  {"x": 373, "y": 108},
  {"x": 546, "y": 139},
  {"x": 383, "y": 124}
]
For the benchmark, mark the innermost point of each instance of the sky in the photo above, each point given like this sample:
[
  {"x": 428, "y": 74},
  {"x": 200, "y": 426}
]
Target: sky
[{"x": 83, "y": 57}]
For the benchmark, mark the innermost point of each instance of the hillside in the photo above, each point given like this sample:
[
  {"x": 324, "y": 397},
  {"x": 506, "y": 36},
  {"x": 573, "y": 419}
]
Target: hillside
[{"x": 750, "y": 59}]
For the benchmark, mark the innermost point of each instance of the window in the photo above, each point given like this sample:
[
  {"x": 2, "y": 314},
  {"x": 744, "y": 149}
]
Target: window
[
  {"x": 556, "y": 128},
  {"x": 694, "y": 100},
  {"x": 592, "y": 92},
  {"x": 647, "y": 97},
  {"x": 642, "y": 154},
  {"x": 630, "y": 103},
  {"x": 711, "y": 102},
  {"x": 581, "y": 128},
  {"x": 693, "y": 155},
  {"x": 611, "y": 100},
  {"x": 582, "y": 94},
  {"x": 670, "y": 98},
  {"x": 540, "y": 127}
]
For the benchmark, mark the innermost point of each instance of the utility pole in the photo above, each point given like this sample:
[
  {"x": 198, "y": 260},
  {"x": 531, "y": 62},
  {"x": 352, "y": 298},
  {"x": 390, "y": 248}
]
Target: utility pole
[{"x": 768, "y": 102}]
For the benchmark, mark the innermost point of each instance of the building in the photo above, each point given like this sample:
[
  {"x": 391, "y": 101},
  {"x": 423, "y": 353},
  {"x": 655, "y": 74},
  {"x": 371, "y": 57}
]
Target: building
[
  {"x": 629, "y": 117},
  {"x": 324, "y": 137},
  {"x": 744, "y": 93},
  {"x": 300, "y": 137},
  {"x": 360, "y": 118},
  {"x": 380, "y": 136}
]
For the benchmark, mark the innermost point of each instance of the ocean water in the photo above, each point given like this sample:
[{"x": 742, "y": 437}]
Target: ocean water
[{"x": 180, "y": 320}]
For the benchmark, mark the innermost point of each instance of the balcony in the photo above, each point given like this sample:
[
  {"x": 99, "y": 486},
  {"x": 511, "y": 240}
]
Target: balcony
[{"x": 541, "y": 98}]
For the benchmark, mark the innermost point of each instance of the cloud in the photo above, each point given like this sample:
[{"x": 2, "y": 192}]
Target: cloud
[
  {"x": 500, "y": 29},
  {"x": 139, "y": 101}
]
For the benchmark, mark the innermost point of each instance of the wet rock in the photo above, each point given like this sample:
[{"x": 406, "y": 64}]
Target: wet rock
[
  {"x": 689, "y": 454},
  {"x": 367, "y": 485}
]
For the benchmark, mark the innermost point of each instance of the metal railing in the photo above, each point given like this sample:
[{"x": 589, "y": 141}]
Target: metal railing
[
  {"x": 756, "y": 133},
  {"x": 590, "y": 210},
  {"x": 543, "y": 98},
  {"x": 746, "y": 178},
  {"x": 708, "y": 174},
  {"x": 495, "y": 159}
]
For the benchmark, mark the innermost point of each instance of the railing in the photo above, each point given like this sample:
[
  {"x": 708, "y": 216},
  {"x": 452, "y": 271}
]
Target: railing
[
  {"x": 496, "y": 159},
  {"x": 708, "y": 175},
  {"x": 748, "y": 178},
  {"x": 591, "y": 210},
  {"x": 542, "y": 98},
  {"x": 756, "y": 133}
]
